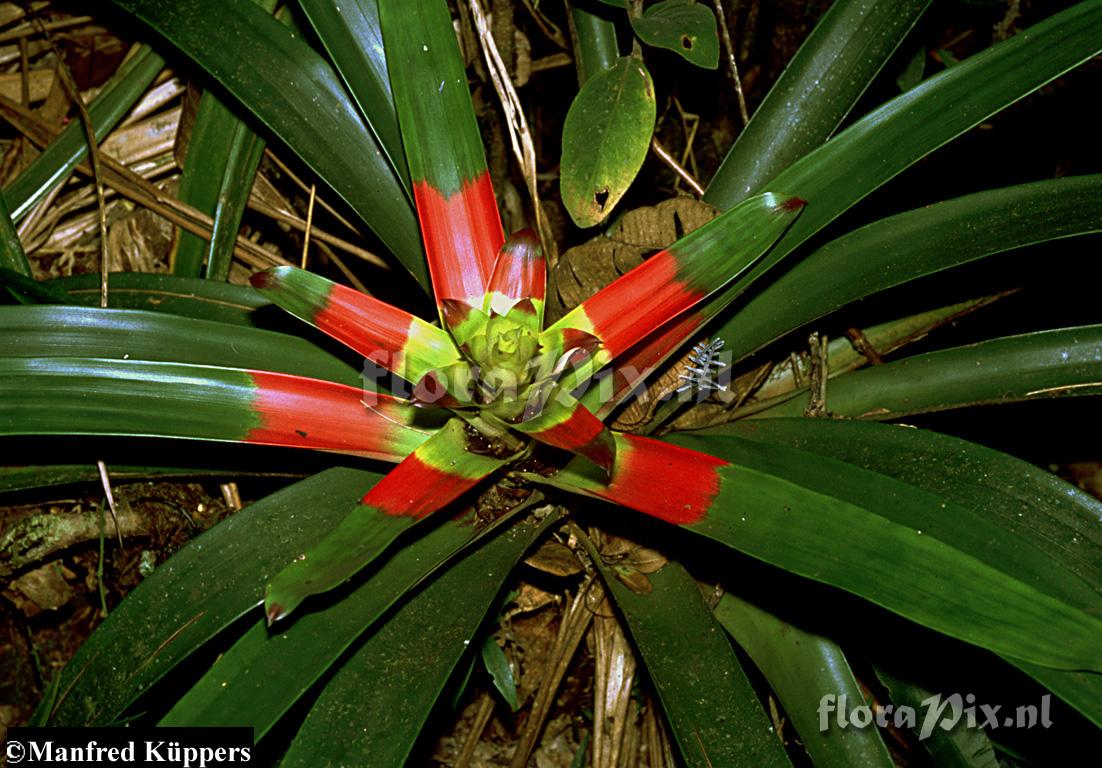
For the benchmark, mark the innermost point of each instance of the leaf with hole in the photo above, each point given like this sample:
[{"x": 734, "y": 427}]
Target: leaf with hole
[
  {"x": 683, "y": 26},
  {"x": 605, "y": 140}
]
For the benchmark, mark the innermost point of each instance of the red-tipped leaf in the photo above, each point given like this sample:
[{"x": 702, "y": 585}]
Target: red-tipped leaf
[
  {"x": 455, "y": 199},
  {"x": 565, "y": 423},
  {"x": 386, "y": 335},
  {"x": 430, "y": 478},
  {"x": 677, "y": 278},
  {"x": 903, "y": 548},
  {"x": 89, "y": 396}
]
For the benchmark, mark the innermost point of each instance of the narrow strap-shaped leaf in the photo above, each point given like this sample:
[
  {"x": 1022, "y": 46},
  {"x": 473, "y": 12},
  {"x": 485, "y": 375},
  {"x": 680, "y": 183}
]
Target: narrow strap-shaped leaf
[
  {"x": 910, "y": 245},
  {"x": 565, "y": 423},
  {"x": 164, "y": 620},
  {"x": 246, "y": 151},
  {"x": 678, "y": 278},
  {"x": 374, "y": 708},
  {"x": 70, "y": 148},
  {"x": 519, "y": 274},
  {"x": 961, "y": 745},
  {"x": 802, "y": 668},
  {"x": 12, "y": 255},
  {"x": 88, "y": 396},
  {"x": 1080, "y": 689},
  {"x": 53, "y": 331},
  {"x": 384, "y": 334},
  {"x": 713, "y": 710},
  {"x": 789, "y": 508},
  {"x": 1045, "y": 364},
  {"x": 430, "y": 478},
  {"x": 263, "y": 674},
  {"x": 290, "y": 88},
  {"x": 1037, "y": 505},
  {"x": 353, "y": 38},
  {"x": 451, "y": 184},
  {"x": 637, "y": 363},
  {"x": 820, "y": 85},
  {"x": 893, "y": 137},
  {"x": 214, "y": 155}
]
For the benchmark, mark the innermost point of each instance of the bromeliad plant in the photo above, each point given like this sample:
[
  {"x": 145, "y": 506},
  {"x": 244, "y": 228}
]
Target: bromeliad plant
[{"x": 969, "y": 542}]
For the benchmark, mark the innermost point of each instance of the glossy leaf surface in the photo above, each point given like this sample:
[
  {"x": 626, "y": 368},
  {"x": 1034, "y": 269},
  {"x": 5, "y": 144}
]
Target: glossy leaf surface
[
  {"x": 900, "y": 248},
  {"x": 455, "y": 200},
  {"x": 778, "y": 505},
  {"x": 686, "y": 27},
  {"x": 373, "y": 710},
  {"x": 896, "y": 135},
  {"x": 802, "y": 668},
  {"x": 120, "y": 334},
  {"x": 201, "y": 590},
  {"x": 353, "y": 37},
  {"x": 605, "y": 139},
  {"x": 1030, "y": 503},
  {"x": 712, "y": 709},
  {"x": 90, "y": 396},
  {"x": 1046, "y": 364},
  {"x": 440, "y": 470},
  {"x": 818, "y": 88},
  {"x": 290, "y": 88},
  {"x": 262, "y": 675}
]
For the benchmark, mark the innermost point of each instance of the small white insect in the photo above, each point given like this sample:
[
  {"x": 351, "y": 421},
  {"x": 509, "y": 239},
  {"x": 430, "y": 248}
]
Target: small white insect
[{"x": 699, "y": 375}]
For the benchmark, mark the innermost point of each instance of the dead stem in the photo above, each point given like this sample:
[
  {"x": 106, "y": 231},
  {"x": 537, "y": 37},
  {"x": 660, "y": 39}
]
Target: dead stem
[{"x": 731, "y": 63}]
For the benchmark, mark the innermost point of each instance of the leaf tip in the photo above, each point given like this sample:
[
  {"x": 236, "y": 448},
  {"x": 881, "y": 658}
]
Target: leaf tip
[
  {"x": 273, "y": 612},
  {"x": 792, "y": 204}
]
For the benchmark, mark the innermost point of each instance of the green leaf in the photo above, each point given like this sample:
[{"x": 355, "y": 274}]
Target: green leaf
[
  {"x": 959, "y": 747},
  {"x": 1080, "y": 689},
  {"x": 440, "y": 133},
  {"x": 120, "y": 334},
  {"x": 214, "y": 157},
  {"x": 372, "y": 711},
  {"x": 245, "y": 152},
  {"x": 905, "y": 549},
  {"x": 441, "y": 469},
  {"x": 70, "y": 148},
  {"x": 290, "y": 88},
  {"x": 913, "y": 72},
  {"x": 26, "y": 290},
  {"x": 199, "y": 591},
  {"x": 264, "y": 673},
  {"x": 183, "y": 296},
  {"x": 138, "y": 398},
  {"x": 1046, "y": 364},
  {"x": 353, "y": 38},
  {"x": 682, "y": 26},
  {"x": 53, "y": 475},
  {"x": 910, "y": 245},
  {"x": 595, "y": 46},
  {"x": 1034, "y": 505},
  {"x": 712, "y": 709},
  {"x": 857, "y": 161},
  {"x": 493, "y": 658},
  {"x": 826, "y": 77},
  {"x": 605, "y": 140},
  {"x": 12, "y": 255},
  {"x": 802, "y": 668}
]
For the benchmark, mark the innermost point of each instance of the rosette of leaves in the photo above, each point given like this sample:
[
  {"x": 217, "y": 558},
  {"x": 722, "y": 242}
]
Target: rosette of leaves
[{"x": 374, "y": 585}]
